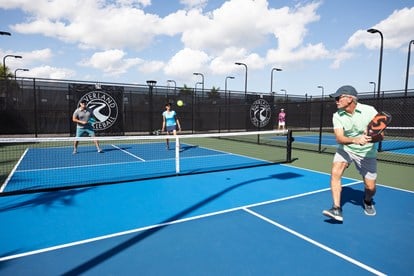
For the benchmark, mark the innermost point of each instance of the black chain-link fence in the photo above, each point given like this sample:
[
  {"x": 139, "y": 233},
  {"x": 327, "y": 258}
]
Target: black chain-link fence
[{"x": 43, "y": 107}]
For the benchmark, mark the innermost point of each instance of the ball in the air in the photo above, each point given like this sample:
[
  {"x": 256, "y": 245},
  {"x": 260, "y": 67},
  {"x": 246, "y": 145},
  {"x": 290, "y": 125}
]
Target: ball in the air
[{"x": 180, "y": 103}]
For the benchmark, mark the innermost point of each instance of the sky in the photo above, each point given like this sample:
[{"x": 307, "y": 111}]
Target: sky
[{"x": 315, "y": 43}]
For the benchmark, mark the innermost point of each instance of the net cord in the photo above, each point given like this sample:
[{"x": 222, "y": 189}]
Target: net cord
[{"x": 141, "y": 137}]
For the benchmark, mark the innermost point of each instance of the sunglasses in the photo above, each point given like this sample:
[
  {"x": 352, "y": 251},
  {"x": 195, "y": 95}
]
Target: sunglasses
[{"x": 340, "y": 97}]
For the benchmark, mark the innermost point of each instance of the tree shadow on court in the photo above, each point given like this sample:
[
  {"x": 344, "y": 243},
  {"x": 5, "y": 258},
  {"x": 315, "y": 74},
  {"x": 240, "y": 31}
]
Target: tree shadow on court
[
  {"x": 47, "y": 199},
  {"x": 95, "y": 261}
]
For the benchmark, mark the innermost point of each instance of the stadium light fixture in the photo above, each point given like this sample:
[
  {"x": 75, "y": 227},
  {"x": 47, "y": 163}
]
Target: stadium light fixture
[
  {"x": 19, "y": 69},
  {"x": 284, "y": 90},
  {"x": 271, "y": 78},
  {"x": 175, "y": 85},
  {"x": 202, "y": 83},
  {"x": 408, "y": 68},
  {"x": 245, "y": 79},
  {"x": 151, "y": 84},
  {"x": 225, "y": 86},
  {"x": 321, "y": 119},
  {"x": 373, "y": 82},
  {"x": 323, "y": 90},
  {"x": 5, "y": 33},
  {"x": 373, "y": 31},
  {"x": 4, "y": 62}
]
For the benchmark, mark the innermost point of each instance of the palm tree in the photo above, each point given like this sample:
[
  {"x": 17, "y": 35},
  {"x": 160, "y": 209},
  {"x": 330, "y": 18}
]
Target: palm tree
[
  {"x": 214, "y": 94},
  {"x": 185, "y": 91}
]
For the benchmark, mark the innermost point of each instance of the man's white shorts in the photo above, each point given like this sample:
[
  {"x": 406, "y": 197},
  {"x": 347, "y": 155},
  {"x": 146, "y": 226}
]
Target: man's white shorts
[{"x": 367, "y": 167}]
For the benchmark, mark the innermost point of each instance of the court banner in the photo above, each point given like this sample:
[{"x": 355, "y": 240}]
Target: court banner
[
  {"x": 260, "y": 112},
  {"x": 106, "y": 103}
]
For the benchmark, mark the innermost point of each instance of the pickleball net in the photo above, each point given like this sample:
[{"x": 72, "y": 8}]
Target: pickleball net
[{"x": 48, "y": 163}]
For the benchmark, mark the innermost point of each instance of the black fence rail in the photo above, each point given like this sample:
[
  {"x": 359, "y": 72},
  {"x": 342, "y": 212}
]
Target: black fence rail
[{"x": 44, "y": 107}]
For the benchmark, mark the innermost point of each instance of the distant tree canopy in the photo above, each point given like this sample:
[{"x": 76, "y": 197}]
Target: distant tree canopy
[
  {"x": 214, "y": 94},
  {"x": 8, "y": 74}
]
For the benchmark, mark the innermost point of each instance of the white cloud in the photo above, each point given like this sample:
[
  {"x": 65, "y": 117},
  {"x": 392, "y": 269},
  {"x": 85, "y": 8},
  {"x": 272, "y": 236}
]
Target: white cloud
[
  {"x": 235, "y": 31},
  {"x": 305, "y": 53},
  {"x": 28, "y": 58},
  {"x": 151, "y": 66},
  {"x": 185, "y": 62},
  {"x": 341, "y": 57},
  {"x": 397, "y": 29},
  {"x": 90, "y": 24},
  {"x": 237, "y": 23},
  {"x": 50, "y": 72},
  {"x": 194, "y": 4},
  {"x": 111, "y": 62}
]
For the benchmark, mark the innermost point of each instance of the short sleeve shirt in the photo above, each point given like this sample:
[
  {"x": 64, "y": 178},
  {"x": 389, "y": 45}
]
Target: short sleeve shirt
[
  {"x": 282, "y": 117},
  {"x": 82, "y": 115},
  {"x": 355, "y": 125},
  {"x": 170, "y": 118}
]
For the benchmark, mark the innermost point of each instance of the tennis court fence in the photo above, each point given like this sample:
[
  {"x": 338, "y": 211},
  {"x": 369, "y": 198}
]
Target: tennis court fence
[
  {"x": 45, "y": 164},
  {"x": 397, "y": 146}
]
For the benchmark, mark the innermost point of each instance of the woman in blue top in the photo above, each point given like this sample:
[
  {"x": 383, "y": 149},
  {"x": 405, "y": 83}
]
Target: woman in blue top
[{"x": 170, "y": 122}]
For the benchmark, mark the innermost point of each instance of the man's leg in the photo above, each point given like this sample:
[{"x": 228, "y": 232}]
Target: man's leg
[
  {"x": 370, "y": 189},
  {"x": 337, "y": 171}
]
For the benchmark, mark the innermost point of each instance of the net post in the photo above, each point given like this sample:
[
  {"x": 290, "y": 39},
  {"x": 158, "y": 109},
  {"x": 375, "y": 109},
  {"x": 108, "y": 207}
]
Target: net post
[
  {"x": 177, "y": 155},
  {"x": 289, "y": 146}
]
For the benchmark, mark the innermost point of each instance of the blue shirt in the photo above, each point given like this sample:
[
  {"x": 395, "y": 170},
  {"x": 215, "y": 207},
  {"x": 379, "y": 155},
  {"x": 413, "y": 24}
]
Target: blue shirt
[{"x": 170, "y": 118}]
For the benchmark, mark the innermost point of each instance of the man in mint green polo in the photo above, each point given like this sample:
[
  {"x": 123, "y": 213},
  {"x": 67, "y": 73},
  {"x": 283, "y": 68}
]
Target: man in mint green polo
[{"x": 350, "y": 124}]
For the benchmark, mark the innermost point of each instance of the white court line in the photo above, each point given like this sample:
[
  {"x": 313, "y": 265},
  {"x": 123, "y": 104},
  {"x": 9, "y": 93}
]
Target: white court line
[
  {"x": 324, "y": 247},
  {"x": 5, "y": 258},
  {"x": 127, "y": 152},
  {"x": 3, "y": 186}
]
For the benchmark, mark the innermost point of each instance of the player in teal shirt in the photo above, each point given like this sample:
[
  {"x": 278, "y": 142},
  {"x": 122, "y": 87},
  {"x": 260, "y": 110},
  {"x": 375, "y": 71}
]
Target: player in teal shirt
[
  {"x": 350, "y": 124},
  {"x": 170, "y": 122}
]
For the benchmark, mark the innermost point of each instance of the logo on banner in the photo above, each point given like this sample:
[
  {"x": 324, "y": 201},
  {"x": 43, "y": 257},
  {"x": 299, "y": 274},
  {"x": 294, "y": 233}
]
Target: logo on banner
[
  {"x": 104, "y": 109},
  {"x": 260, "y": 113}
]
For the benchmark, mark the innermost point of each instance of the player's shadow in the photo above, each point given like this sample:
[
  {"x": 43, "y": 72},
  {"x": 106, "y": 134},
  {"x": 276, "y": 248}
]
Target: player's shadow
[{"x": 352, "y": 196}]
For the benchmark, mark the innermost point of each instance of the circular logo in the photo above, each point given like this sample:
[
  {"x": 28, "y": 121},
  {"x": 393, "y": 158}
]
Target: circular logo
[
  {"x": 260, "y": 113},
  {"x": 103, "y": 107}
]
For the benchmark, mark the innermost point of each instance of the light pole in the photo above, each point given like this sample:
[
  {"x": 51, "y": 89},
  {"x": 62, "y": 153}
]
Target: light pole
[
  {"x": 195, "y": 86},
  {"x": 227, "y": 100},
  {"x": 225, "y": 87},
  {"x": 151, "y": 84},
  {"x": 323, "y": 91},
  {"x": 202, "y": 83},
  {"x": 284, "y": 90},
  {"x": 373, "y": 82},
  {"x": 373, "y": 31},
  {"x": 175, "y": 85},
  {"x": 4, "y": 63},
  {"x": 245, "y": 80},
  {"x": 5, "y": 33},
  {"x": 408, "y": 68},
  {"x": 321, "y": 119},
  {"x": 271, "y": 78},
  {"x": 19, "y": 69}
]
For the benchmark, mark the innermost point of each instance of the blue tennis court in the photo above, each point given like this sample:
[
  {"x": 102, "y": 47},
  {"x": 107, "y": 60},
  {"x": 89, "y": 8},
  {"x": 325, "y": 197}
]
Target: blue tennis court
[
  {"x": 124, "y": 162},
  {"x": 255, "y": 221}
]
